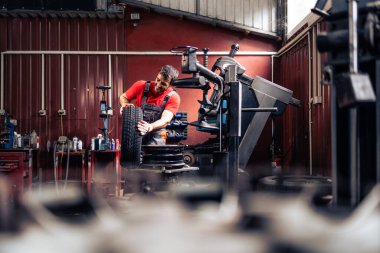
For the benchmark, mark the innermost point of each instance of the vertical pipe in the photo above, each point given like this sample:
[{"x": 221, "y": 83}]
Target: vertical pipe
[
  {"x": 334, "y": 147},
  {"x": 353, "y": 35},
  {"x": 310, "y": 107},
  {"x": 318, "y": 55},
  {"x": 42, "y": 111},
  {"x": 62, "y": 83},
  {"x": 272, "y": 121},
  {"x": 271, "y": 64},
  {"x": 2, "y": 85},
  {"x": 106, "y": 120},
  {"x": 353, "y": 113},
  {"x": 378, "y": 122},
  {"x": 42, "y": 81},
  {"x": 353, "y": 159},
  {"x": 235, "y": 110},
  {"x": 109, "y": 81},
  {"x": 220, "y": 125}
]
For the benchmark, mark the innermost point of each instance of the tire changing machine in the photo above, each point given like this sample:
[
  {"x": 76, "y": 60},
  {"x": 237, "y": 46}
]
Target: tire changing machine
[{"x": 235, "y": 148}]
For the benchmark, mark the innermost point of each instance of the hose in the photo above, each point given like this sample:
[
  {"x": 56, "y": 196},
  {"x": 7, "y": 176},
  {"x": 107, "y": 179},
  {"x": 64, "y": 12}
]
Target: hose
[
  {"x": 55, "y": 167},
  {"x": 56, "y": 164},
  {"x": 67, "y": 165}
]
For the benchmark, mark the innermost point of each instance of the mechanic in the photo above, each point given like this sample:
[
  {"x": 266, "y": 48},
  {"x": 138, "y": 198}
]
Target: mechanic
[{"x": 159, "y": 103}]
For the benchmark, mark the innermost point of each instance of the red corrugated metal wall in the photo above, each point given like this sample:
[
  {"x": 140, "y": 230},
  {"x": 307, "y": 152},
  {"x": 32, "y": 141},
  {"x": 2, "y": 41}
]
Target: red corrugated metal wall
[
  {"x": 293, "y": 69},
  {"x": 321, "y": 123},
  {"x": 82, "y": 73},
  {"x": 23, "y": 76},
  {"x": 305, "y": 142},
  {"x": 321, "y": 130}
]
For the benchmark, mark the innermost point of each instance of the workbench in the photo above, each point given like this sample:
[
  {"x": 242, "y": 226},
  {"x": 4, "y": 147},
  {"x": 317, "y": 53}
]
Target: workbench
[
  {"x": 104, "y": 172},
  {"x": 19, "y": 166}
]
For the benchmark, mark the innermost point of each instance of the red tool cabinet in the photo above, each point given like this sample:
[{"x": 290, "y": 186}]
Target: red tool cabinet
[
  {"x": 104, "y": 171},
  {"x": 16, "y": 165}
]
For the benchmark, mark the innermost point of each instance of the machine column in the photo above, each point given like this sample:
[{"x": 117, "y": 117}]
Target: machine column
[{"x": 234, "y": 127}]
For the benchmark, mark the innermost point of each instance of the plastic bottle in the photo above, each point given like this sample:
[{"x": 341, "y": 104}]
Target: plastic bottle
[
  {"x": 75, "y": 143},
  {"x": 19, "y": 141},
  {"x": 117, "y": 144},
  {"x": 48, "y": 145},
  {"x": 97, "y": 144},
  {"x": 113, "y": 145},
  {"x": 37, "y": 142},
  {"x": 80, "y": 145},
  {"x": 33, "y": 139},
  {"x": 15, "y": 139}
]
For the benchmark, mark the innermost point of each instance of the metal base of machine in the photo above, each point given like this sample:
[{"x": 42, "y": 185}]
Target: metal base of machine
[
  {"x": 166, "y": 169},
  {"x": 151, "y": 179}
]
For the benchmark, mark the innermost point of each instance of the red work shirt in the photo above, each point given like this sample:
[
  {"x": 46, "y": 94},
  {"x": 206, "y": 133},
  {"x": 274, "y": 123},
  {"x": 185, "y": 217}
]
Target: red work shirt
[{"x": 154, "y": 98}]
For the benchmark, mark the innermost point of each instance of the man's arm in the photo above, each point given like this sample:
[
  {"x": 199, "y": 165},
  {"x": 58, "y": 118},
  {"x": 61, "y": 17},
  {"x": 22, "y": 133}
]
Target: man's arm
[
  {"x": 144, "y": 127},
  {"x": 124, "y": 102},
  {"x": 165, "y": 119}
]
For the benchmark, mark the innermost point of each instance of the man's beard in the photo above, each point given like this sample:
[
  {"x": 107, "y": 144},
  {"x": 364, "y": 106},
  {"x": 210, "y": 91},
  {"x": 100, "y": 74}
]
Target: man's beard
[{"x": 158, "y": 89}]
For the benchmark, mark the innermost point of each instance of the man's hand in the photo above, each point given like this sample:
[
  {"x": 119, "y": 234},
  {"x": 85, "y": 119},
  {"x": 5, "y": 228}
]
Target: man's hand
[
  {"x": 144, "y": 127},
  {"x": 122, "y": 107}
]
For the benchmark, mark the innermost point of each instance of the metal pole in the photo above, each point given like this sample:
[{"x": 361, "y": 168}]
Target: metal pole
[
  {"x": 234, "y": 127},
  {"x": 42, "y": 112},
  {"x": 378, "y": 123},
  {"x": 42, "y": 82},
  {"x": 109, "y": 81},
  {"x": 197, "y": 7},
  {"x": 2, "y": 111},
  {"x": 310, "y": 96},
  {"x": 235, "y": 133},
  {"x": 353, "y": 35},
  {"x": 353, "y": 112},
  {"x": 62, "y": 82}
]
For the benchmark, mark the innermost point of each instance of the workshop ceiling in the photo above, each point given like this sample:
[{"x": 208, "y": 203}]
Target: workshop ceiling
[{"x": 258, "y": 17}]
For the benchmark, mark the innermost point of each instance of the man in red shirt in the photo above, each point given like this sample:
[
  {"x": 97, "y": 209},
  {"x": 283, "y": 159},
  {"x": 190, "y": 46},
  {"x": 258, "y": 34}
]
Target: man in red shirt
[{"x": 158, "y": 101}]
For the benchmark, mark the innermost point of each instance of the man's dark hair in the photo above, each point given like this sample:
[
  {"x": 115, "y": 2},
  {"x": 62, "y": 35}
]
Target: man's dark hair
[{"x": 168, "y": 72}]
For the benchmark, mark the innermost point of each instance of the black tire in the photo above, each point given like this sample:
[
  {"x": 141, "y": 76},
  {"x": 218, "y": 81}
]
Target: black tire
[
  {"x": 163, "y": 155},
  {"x": 131, "y": 139},
  {"x": 290, "y": 183},
  {"x": 321, "y": 196}
]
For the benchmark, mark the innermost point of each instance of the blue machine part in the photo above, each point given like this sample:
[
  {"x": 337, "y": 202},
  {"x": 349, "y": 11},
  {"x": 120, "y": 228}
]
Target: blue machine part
[
  {"x": 177, "y": 128},
  {"x": 7, "y": 134}
]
